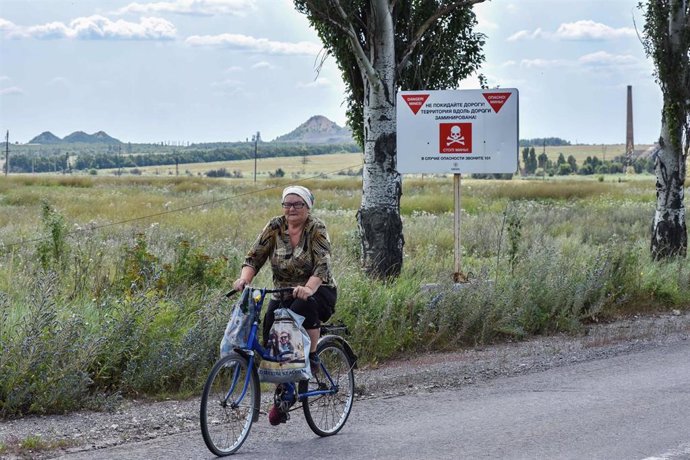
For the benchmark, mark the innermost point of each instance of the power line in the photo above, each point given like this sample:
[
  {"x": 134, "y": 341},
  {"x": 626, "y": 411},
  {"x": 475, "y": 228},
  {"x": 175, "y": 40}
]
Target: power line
[{"x": 162, "y": 213}]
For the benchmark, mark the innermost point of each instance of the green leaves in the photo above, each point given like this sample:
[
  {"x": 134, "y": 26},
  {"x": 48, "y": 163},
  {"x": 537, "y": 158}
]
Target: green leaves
[{"x": 432, "y": 50}]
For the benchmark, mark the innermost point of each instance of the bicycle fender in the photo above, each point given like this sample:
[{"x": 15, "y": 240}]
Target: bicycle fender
[{"x": 344, "y": 344}]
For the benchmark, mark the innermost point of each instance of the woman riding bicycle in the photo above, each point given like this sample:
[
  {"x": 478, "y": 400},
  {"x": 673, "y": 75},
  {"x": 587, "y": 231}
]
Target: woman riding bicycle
[{"x": 299, "y": 249}]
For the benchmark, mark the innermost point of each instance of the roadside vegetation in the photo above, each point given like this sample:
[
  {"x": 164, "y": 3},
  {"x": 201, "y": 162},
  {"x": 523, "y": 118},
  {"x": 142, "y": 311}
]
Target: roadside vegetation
[{"x": 113, "y": 287}]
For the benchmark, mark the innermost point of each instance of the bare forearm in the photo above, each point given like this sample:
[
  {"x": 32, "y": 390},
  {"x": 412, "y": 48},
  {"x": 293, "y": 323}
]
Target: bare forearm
[
  {"x": 309, "y": 288},
  {"x": 246, "y": 276},
  {"x": 313, "y": 283}
]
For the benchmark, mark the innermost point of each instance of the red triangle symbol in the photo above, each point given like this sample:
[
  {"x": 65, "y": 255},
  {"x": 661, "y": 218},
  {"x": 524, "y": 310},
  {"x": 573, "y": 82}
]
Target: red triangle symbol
[
  {"x": 415, "y": 101},
  {"x": 496, "y": 100}
]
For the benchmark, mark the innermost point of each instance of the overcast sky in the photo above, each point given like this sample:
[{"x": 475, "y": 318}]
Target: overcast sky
[{"x": 221, "y": 70}]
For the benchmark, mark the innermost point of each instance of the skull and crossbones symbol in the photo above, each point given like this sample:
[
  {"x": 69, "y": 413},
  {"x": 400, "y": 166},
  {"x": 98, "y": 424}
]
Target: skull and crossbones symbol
[{"x": 455, "y": 136}]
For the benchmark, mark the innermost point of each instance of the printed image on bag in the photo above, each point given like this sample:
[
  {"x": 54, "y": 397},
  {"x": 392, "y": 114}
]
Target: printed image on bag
[
  {"x": 284, "y": 345},
  {"x": 237, "y": 331},
  {"x": 288, "y": 344}
]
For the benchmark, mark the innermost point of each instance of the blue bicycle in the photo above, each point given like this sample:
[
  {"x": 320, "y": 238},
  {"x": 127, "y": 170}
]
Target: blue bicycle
[{"x": 232, "y": 395}]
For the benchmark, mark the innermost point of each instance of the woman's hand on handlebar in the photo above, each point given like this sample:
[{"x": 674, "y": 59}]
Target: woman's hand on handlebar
[
  {"x": 239, "y": 284},
  {"x": 302, "y": 292},
  {"x": 246, "y": 276}
]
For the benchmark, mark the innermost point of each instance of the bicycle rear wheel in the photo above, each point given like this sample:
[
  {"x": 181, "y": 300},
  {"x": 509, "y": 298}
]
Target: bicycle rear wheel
[
  {"x": 327, "y": 414},
  {"x": 225, "y": 419}
]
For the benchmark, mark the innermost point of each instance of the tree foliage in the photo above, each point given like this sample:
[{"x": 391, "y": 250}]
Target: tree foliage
[
  {"x": 667, "y": 41},
  {"x": 543, "y": 141},
  {"x": 436, "y": 46}
]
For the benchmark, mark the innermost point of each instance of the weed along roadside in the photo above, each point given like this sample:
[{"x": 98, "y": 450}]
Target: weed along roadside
[
  {"x": 437, "y": 291},
  {"x": 113, "y": 289}
]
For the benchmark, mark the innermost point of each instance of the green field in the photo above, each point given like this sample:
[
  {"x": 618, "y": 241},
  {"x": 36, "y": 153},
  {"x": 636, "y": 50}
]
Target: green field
[
  {"x": 114, "y": 286},
  {"x": 331, "y": 164}
]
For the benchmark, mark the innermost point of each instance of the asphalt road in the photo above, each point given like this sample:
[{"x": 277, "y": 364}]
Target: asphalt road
[{"x": 634, "y": 406}]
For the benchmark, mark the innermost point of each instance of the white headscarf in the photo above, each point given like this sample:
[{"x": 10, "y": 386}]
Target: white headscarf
[{"x": 302, "y": 192}]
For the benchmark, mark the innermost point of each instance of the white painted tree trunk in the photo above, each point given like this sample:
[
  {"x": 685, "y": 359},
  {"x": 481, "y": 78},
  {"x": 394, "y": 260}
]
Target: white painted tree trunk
[
  {"x": 379, "y": 215},
  {"x": 669, "y": 231}
]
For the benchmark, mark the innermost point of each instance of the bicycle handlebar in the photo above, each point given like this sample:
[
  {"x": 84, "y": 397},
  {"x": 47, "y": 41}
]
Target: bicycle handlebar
[{"x": 266, "y": 290}]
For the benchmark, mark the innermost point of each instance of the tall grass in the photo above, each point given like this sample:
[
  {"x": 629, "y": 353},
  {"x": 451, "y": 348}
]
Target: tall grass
[{"x": 115, "y": 287}]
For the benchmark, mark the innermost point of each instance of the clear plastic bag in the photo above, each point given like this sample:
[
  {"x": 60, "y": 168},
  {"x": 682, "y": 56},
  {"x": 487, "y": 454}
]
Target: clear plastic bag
[{"x": 240, "y": 324}]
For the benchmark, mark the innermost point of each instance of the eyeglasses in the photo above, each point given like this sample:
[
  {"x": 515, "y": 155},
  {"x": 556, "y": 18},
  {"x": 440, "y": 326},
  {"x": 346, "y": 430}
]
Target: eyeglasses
[{"x": 296, "y": 205}]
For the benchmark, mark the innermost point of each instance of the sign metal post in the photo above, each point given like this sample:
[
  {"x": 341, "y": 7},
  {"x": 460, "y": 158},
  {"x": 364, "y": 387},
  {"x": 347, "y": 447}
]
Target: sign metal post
[{"x": 458, "y": 276}]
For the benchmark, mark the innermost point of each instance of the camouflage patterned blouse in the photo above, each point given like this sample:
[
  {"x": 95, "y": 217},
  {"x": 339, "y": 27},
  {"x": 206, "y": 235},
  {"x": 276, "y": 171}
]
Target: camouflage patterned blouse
[{"x": 293, "y": 266}]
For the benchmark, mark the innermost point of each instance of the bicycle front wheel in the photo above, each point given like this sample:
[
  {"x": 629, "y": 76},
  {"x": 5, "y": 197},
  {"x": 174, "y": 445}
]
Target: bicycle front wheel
[
  {"x": 229, "y": 404},
  {"x": 326, "y": 414}
]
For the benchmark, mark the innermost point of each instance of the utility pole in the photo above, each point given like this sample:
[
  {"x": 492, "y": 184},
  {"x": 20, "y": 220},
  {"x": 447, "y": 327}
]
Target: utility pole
[
  {"x": 7, "y": 152},
  {"x": 256, "y": 148}
]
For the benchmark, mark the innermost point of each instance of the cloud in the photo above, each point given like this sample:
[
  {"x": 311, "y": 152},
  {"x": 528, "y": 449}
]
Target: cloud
[
  {"x": 263, "y": 65},
  {"x": 590, "y": 30},
  {"x": 484, "y": 18},
  {"x": 99, "y": 28},
  {"x": 599, "y": 59},
  {"x": 228, "y": 87},
  {"x": 258, "y": 45},
  {"x": 526, "y": 35},
  {"x": 11, "y": 90},
  {"x": 541, "y": 63},
  {"x": 602, "y": 58},
  {"x": 192, "y": 7},
  {"x": 579, "y": 30},
  {"x": 5, "y": 80},
  {"x": 7, "y": 26},
  {"x": 320, "y": 82}
]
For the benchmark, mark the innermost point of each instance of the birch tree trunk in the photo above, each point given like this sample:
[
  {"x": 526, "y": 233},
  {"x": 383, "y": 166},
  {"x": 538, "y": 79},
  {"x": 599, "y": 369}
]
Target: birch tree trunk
[
  {"x": 668, "y": 31},
  {"x": 669, "y": 232},
  {"x": 378, "y": 217}
]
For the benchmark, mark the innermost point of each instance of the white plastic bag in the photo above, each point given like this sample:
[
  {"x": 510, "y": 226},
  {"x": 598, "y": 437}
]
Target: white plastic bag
[{"x": 289, "y": 344}]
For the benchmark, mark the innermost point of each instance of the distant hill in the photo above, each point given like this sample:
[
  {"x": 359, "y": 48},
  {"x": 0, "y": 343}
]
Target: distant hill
[
  {"x": 318, "y": 130},
  {"x": 45, "y": 137},
  {"x": 76, "y": 137}
]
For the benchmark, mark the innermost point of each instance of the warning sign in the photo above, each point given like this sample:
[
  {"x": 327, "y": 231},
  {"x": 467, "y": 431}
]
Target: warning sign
[
  {"x": 415, "y": 101},
  {"x": 455, "y": 137},
  {"x": 496, "y": 100},
  {"x": 457, "y": 131}
]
